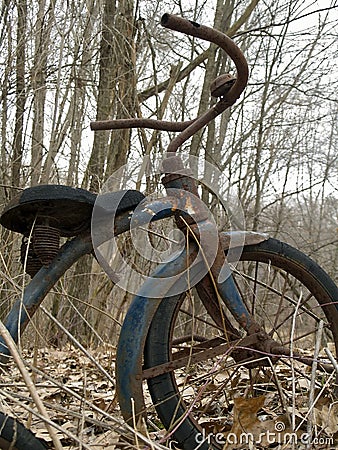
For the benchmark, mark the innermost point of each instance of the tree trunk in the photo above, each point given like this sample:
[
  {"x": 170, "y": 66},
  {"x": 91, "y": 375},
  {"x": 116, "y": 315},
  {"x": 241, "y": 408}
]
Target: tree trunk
[
  {"x": 38, "y": 81},
  {"x": 20, "y": 92},
  {"x": 125, "y": 90}
]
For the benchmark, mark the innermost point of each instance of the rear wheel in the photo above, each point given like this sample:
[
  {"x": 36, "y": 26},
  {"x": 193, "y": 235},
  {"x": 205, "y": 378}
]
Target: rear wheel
[
  {"x": 14, "y": 436},
  {"x": 293, "y": 301}
]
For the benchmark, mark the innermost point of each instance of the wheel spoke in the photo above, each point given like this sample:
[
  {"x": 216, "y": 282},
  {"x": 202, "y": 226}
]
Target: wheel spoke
[{"x": 196, "y": 382}]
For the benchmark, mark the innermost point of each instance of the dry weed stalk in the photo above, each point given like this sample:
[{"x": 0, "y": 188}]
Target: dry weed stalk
[{"x": 29, "y": 383}]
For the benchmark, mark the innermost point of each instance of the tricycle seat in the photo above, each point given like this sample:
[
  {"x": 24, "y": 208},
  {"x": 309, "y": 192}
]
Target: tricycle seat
[{"x": 66, "y": 208}]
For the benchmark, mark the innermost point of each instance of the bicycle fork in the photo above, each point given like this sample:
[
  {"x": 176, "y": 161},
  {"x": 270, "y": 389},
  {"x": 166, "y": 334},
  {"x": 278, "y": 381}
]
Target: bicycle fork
[{"x": 178, "y": 181}]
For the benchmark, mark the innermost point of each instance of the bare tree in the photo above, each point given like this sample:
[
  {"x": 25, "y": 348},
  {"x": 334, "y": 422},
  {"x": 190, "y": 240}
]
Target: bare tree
[
  {"x": 21, "y": 95},
  {"x": 62, "y": 68},
  {"x": 116, "y": 91}
]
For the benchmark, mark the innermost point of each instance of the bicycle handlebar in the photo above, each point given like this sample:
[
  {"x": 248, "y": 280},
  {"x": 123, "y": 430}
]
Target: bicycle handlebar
[
  {"x": 228, "y": 98},
  {"x": 177, "y": 23}
]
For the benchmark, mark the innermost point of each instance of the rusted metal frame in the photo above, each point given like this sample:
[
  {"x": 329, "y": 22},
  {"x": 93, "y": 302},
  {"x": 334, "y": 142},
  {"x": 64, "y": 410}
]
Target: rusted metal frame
[
  {"x": 216, "y": 347},
  {"x": 110, "y": 226},
  {"x": 136, "y": 325},
  {"x": 192, "y": 336},
  {"x": 202, "y": 345},
  {"x": 206, "y": 289},
  {"x": 214, "y": 294},
  {"x": 228, "y": 292},
  {"x": 118, "y": 124},
  {"x": 213, "y": 305},
  {"x": 44, "y": 280},
  {"x": 194, "y": 29},
  {"x": 140, "y": 314},
  {"x": 281, "y": 351},
  {"x": 199, "y": 356},
  {"x": 232, "y": 239},
  {"x": 197, "y": 125},
  {"x": 177, "y": 181},
  {"x": 188, "y": 128},
  {"x": 177, "y": 23}
]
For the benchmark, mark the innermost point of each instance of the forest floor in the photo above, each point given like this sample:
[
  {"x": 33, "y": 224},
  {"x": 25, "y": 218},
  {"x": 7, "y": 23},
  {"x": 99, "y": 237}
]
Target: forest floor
[{"x": 82, "y": 402}]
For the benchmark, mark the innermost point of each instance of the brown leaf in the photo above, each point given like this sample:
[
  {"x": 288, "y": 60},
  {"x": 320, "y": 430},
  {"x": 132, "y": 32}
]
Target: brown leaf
[
  {"x": 245, "y": 413},
  {"x": 245, "y": 418},
  {"x": 327, "y": 418}
]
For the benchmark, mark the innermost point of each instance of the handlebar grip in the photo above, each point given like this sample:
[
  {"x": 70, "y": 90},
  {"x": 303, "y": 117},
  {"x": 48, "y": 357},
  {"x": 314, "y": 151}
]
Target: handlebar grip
[{"x": 194, "y": 29}]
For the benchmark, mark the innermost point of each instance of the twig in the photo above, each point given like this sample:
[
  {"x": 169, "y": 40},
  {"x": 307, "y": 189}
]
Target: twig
[
  {"x": 332, "y": 359},
  {"x": 328, "y": 381},
  {"x": 79, "y": 346},
  {"x": 117, "y": 422},
  {"x": 313, "y": 380},
  {"x": 293, "y": 329},
  {"x": 134, "y": 420},
  {"x": 46, "y": 420},
  {"x": 22, "y": 304},
  {"x": 29, "y": 383}
]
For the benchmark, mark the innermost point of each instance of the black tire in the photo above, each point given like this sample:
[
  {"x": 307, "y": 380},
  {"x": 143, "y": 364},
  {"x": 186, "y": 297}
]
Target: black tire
[
  {"x": 14, "y": 436},
  {"x": 178, "y": 408}
]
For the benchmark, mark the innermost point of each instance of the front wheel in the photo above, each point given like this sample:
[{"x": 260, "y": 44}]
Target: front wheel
[{"x": 202, "y": 367}]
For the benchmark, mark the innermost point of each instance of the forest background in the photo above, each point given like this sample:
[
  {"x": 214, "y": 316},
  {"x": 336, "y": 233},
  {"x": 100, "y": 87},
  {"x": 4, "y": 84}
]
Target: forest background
[{"x": 64, "y": 64}]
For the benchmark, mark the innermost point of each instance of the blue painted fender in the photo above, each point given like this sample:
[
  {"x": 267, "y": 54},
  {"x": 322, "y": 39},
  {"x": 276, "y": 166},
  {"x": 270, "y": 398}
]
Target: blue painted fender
[{"x": 136, "y": 325}]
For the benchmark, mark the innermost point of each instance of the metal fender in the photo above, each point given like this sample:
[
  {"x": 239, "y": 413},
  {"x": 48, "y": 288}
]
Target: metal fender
[
  {"x": 236, "y": 239},
  {"x": 135, "y": 329}
]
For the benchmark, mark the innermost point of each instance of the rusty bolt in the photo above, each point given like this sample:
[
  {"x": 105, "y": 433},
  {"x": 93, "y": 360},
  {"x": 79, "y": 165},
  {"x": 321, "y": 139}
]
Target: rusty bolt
[{"x": 222, "y": 85}]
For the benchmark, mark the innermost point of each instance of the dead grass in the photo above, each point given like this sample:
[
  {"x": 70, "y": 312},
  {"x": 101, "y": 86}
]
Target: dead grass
[{"x": 82, "y": 405}]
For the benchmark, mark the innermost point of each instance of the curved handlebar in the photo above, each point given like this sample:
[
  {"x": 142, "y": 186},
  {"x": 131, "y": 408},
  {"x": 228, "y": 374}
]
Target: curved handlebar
[
  {"x": 177, "y": 23},
  {"x": 189, "y": 128}
]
